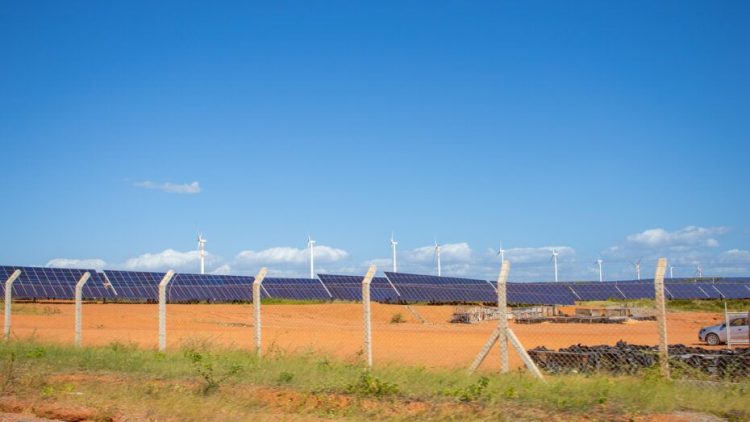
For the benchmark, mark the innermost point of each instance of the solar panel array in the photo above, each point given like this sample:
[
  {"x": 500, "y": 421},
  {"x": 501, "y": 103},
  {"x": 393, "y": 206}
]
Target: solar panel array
[
  {"x": 349, "y": 287},
  {"x": 433, "y": 289},
  {"x": 135, "y": 285},
  {"x": 296, "y": 288},
  {"x": 111, "y": 285},
  {"x": 53, "y": 283},
  {"x": 540, "y": 294},
  {"x": 189, "y": 288}
]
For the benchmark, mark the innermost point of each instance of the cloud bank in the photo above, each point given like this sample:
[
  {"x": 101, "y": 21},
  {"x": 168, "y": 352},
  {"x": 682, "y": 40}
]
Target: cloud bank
[{"x": 183, "y": 188}]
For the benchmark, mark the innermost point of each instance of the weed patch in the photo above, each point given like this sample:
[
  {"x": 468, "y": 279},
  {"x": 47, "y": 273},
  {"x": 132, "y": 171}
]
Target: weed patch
[{"x": 368, "y": 385}]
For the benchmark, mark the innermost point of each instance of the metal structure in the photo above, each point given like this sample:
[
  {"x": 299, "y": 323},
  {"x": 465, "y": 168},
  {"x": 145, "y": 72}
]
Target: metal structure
[{"x": 601, "y": 271}]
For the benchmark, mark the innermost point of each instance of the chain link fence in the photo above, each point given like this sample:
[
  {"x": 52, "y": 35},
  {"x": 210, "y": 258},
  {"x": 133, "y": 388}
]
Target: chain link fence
[{"x": 410, "y": 319}]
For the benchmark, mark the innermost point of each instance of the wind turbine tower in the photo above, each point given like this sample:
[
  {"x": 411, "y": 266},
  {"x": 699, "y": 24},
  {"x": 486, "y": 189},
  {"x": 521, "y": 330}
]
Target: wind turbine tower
[
  {"x": 699, "y": 271},
  {"x": 555, "y": 252},
  {"x": 202, "y": 251},
  {"x": 501, "y": 253},
  {"x": 393, "y": 250},
  {"x": 601, "y": 273},
  {"x": 671, "y": 271},
  {"x": 437, "y": 258},
  {"x": 311, "y": 246},
  {"x": 637, "y": 265}
]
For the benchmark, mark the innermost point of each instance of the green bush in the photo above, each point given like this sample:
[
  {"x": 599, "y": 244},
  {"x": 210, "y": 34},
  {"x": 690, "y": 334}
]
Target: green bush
[{"x": 368, "y": 385}]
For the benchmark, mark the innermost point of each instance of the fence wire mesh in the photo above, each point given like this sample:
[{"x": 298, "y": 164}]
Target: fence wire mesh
[{"x": 429, "y": 321}]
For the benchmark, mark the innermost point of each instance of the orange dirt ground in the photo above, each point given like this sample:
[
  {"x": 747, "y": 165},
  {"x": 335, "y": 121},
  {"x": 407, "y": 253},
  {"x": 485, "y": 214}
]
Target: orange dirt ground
[{"x": 334, "y": 329}]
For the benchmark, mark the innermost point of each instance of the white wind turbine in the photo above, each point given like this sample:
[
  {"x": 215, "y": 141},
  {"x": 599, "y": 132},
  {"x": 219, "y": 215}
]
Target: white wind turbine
[
  {"x": 501, "y": 253},
  {"x": 600, "y": 261},
  {"x": 311, "y": 246},
  {"x": 437, "y": 258},
  {"x": 699, "y": 271},
  {"x": 671, "y": 271},
  {"x": 393, "y": 250},
  {"x": 202, "y": 251},
  {"x": 637, "y": 265},
  {"x": 555, "y": 252}
]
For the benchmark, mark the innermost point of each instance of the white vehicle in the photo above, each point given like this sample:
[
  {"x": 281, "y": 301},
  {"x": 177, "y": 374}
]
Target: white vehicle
[{"x": 717, "y": 334}]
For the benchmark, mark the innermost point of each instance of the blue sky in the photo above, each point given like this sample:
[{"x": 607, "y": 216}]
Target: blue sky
[{"x": 617, "y": 130}]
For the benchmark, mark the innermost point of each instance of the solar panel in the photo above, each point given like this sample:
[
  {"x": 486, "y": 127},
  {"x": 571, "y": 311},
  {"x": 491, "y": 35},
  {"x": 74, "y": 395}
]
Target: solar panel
[
  {"x": 53, "y": 283},
  {"x": 348, "y": 287},
  {"x": 540, "y": 294},
  {"x": 598, "y": 291},
  {"x": 135, "y": 285},
  {"x": 433, "y": 289},
  {"x": 685, "y": 291},
  {"x": 186, "y": 288},
  {"x": 733, "y": 290},
  {"x": 295, "y": 288},
  {"x": 709, "y": 289},
  {"x": 637, "y": 290}
]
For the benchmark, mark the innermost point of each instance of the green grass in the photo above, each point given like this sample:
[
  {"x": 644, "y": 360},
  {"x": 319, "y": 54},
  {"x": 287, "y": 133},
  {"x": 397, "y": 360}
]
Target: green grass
[
  {"x": 714, "y": 305},
  {"x": 201, "y": 382}
]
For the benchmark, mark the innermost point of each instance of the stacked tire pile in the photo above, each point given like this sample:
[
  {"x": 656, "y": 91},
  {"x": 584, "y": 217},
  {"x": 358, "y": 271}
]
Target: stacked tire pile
[{"x": 624, "y": 358}]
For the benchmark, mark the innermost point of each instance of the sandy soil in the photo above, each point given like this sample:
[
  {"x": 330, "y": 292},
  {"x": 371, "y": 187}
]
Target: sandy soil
[{"x": 331, "y": 328}]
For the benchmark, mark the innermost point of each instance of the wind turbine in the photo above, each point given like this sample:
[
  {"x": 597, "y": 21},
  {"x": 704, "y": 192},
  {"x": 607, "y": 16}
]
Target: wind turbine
[
  {"x": 437, "y": 258},
  {"x": 555, "y": 252},
  {"x": 501, "y": 253},
  {"x": 393, "y": 249},
  {"x": 601, "y": 273},
  {"x": 202, "y": 251},
  {"x": 699, "y": 271},
  {"x": 311, "y": 246},
  {"x": 671, "y": 271},
  {"x": 637, "y": 265}
]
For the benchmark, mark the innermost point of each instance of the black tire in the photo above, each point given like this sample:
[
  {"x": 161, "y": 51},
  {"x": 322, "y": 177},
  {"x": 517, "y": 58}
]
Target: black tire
[{"x": 712, "y": 339}]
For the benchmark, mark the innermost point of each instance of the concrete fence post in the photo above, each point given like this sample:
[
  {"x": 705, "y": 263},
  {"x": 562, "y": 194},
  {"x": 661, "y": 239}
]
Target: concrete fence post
[
  {"x": 9, "y": 302},
  {"x": 502, "y": 323},
  {"x": 661, "y": 316},
  {"x": 366, "y": 314},
  {"x": 163, "y": 310},
  {"x": 256, "y": 309},
  {"x": 79, "y": 299}
]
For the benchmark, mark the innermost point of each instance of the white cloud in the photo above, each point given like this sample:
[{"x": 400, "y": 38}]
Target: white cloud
[
  {"x": 224, "y": 269},
  {"x": 450, "y": 252},
  {"x": 167, "y": 259},
  {"x": 93, "y": 264},
  {"x": 735, "y": 256},
  {"x": 187, "y": 188},
  {"x": 688, "y": 236},
  {"x": 538, "y": 255},
  {"x": 290, "y": 255}
]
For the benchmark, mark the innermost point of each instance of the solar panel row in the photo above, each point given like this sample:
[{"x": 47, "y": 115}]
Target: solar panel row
[
  {"x": 59, "y": 283},
  {"x": 53, "y": 283}
]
